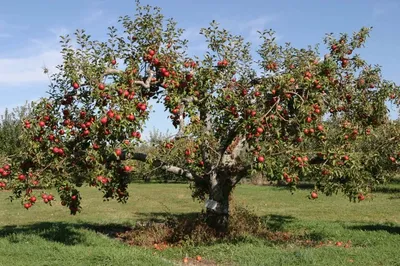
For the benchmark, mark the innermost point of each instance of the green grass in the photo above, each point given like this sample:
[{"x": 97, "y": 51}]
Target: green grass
[{"x": 48, "y": 235}]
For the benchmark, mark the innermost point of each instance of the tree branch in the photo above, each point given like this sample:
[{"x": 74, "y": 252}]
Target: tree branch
[
  {"x": 160, "y": 164},
  {"x": 242, "y": 173},
  {"x": 230, "y": 137},
  {"x": 112, "y": 71},
  {"x": 295, "y": 93},
  {"x": 206, "y": 117},
  {"x": 149, "y": 78},
  {"x": 145, "y": 84},
  {"x": 181, "y": 117},
  {"x": 270, "y": 110},
  {"x": 230, "y": 159}
]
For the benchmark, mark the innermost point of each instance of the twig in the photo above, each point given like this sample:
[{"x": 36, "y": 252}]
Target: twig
[
  {"x": 149, "y": 78},
  {"x": 295, "y": 93},
  {"x": 269, "y": 111}
]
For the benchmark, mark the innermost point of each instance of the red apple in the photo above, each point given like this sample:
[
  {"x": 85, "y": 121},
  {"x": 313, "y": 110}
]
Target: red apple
[
  {"x": 187, "y": 152},
  {"x": 22, "y": 177},
  {"x": 361, "y": 197},
  {"x": 103, "y": 120},
  {"x": 110, "y": 113},
  {"x": 32, "y": 199}
]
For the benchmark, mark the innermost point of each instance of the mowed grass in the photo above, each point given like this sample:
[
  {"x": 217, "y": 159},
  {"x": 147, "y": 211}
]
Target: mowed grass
[{"x": 48, "y": 235}]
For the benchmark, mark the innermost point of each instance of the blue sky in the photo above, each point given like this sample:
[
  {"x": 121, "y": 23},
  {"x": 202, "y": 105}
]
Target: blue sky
[{"x": 29, "y": 32}]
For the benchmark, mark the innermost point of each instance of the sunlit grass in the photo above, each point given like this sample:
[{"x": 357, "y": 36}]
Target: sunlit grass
[{"x": 48, "y": 235}]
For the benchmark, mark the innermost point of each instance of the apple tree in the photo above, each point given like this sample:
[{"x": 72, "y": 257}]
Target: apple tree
[{"x": 230, "y": 120}]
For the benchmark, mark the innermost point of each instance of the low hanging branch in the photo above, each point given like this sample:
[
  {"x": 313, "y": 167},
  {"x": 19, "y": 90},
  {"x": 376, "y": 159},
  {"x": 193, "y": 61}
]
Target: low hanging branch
[
  {"x": 145, "y": 84},
  {"x": 143, "y": 157}
]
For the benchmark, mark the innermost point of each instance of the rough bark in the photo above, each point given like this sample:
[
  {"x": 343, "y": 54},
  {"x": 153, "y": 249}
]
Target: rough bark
[
  {"x": 158, "y": 163},
  {"x": 217, "y": 206},
  {"x": 221, "y": 181}
]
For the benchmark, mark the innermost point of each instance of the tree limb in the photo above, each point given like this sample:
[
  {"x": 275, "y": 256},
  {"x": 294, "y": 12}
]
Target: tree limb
[
  {"x": 185, "y": 101},
  {"x": 241, "y": 173},
  {"x": 112, "y": 71},
  {"x": 146, "y": 84},
  {"x": 206, "y": 117},
  {"x": 149, "y": 78},
  {"x": 230, "y": 159},
  {"x": 160, "y": 164}
]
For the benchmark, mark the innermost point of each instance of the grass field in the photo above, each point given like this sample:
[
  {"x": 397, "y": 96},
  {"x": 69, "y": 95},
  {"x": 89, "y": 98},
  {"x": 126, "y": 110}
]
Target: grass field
[{"x": 47, "y": 235}]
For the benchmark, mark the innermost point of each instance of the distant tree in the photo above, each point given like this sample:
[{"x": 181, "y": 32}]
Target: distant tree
[
  {"x": 157, "y": 137},
  {"x": 11, "y": 130}
]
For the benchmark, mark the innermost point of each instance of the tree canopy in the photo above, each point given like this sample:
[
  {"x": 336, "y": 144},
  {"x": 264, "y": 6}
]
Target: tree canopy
[{"x": 304, "y": 116}]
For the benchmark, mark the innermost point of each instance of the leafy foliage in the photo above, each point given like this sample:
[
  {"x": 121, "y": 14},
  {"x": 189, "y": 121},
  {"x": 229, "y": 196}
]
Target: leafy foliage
[{"x": 99, "y": 102}]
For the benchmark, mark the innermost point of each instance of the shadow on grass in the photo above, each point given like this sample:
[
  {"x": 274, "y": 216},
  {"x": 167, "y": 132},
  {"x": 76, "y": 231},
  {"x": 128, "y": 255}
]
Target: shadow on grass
[
  {"x": 73, "y": 233},
  {"x": 379, "y": 189},
  {"x": 161, "y": 217},
  {"x": 391, "y": 229},
  {"x": 274, "y": 222},
  {"x": 391, "y": 190},
  {"x": 395, "y": 197},
  {"x": 277, "y": 222},
  {"x": 395, "y": 180},
  {"x": 65, "y": 233}
]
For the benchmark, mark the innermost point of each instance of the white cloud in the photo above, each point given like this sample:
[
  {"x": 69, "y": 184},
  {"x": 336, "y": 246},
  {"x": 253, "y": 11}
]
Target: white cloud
[
  {"x": 384, "y": 7},
  {"x": 197, "y": 42},
  {"x": 57, "y": 32},
  {"x": 248, "y": 29},
  {"x": 253, "y": 26},
  {"x": 6, "y": 28},
  {"x": 99, "y": 2},
  {"x": 192, "y": 34},
  {"x": 20, "y": 71},
  {"x": 257, "y": 23},
  {"x": 12, "y": 26},
  {"x": 378, "y": 11},
  {"x": 27, "y": 69},
  {"x": 93, "y": 16}
]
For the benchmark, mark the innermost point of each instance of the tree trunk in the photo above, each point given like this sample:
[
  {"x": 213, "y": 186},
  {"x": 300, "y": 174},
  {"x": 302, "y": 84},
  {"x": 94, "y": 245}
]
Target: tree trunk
[{"x": 217, "y": 206}]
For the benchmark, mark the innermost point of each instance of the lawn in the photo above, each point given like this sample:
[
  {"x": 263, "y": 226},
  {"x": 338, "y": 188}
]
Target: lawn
[{"x": 48, "y": 235}]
